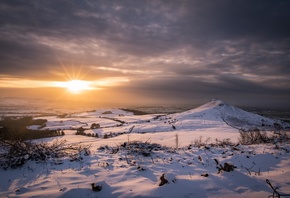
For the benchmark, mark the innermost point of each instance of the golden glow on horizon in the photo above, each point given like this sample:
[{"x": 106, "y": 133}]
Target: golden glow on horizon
[
  {"x": 8, "y": 82},
  {"x": 75, "y": 86},
  {"x": 71, "y": 84}
]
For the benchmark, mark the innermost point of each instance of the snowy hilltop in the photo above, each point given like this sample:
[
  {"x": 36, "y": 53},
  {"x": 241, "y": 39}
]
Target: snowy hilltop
[
  {"x": 113, "y": 153},
  {"x": 217, "y": 110}
]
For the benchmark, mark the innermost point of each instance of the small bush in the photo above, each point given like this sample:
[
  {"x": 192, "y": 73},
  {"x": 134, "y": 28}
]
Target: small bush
[
  {"x": 95, "y": 126},
  {"x": 80, "y": 131}
]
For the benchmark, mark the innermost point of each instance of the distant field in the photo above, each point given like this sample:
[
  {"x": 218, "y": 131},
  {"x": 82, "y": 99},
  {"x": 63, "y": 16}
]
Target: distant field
[
  {"x": 31, "y": 110},
  {"x": 276, "y": 114}
]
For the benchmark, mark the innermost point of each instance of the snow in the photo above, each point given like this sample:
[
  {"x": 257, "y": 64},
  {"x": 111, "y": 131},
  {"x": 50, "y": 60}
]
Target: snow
[{"x": 123, "y": 172}]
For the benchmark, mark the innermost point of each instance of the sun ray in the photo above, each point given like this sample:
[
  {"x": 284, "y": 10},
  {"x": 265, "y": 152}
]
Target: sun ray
[{"x": 75, "y": 78}]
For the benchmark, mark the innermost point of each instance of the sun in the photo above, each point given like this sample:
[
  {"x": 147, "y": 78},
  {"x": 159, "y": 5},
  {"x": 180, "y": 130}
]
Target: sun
[
  {"x": 77, "y": 86},
  {"x": 74, "y": 82}
]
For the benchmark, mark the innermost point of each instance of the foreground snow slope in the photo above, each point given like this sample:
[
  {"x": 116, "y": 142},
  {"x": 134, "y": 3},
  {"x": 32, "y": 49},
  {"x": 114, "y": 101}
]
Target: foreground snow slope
[
  {"x": 135, "y": 170},
  {"x": 127, "y": 172}
]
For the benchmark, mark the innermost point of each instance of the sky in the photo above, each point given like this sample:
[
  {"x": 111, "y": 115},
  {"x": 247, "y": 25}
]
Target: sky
[{"x": 147, "y": 52}]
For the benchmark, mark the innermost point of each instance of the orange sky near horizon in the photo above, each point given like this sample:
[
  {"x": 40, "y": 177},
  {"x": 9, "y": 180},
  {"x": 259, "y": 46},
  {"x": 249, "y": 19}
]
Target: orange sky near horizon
[{"x": 102, "y": 91}]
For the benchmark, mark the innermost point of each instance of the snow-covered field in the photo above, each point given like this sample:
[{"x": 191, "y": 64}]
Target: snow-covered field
[{"x": 158, "y": 144}]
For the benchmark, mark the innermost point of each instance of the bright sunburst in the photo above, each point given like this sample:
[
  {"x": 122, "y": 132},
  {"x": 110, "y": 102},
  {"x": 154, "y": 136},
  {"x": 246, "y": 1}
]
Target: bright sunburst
[
  {"x": 77, "y": 86},
  {"x": 74, "y": 85}
]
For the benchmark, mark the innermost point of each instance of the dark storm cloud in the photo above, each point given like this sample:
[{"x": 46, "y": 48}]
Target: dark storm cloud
[
  {"x": 234, "y": 19},
  {"x": 224, "y": 85},
  {"x": 25, "y": 55},
  {"x": 189, "y": 90},
  {"x": 190, "y": 47}
]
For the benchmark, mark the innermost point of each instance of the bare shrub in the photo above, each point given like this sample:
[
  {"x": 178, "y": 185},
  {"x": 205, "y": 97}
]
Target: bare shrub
[
  {"x": 200, "y": 142},
  {"x": 17, "y": 152},
  {"x": 135, "y": 148},
  {"x": 143, "y": 148},
  {"x": 254, "y": 136},
  {"x": 222, "y": 143}
]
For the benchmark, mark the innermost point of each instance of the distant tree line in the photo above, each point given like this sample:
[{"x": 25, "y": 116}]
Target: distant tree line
[{"x": 12, "y": 128}]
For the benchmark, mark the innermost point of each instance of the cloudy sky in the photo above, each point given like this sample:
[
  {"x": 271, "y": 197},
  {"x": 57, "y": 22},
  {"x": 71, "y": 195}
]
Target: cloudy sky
[{"x": 148, "y": 52}]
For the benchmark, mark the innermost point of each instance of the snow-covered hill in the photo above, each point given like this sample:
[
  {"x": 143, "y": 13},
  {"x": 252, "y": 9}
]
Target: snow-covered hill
[
  {"x": 217, "y": 110},
  {"x": 127, "y": 168},
  {"x": 212, "y": 115}
]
